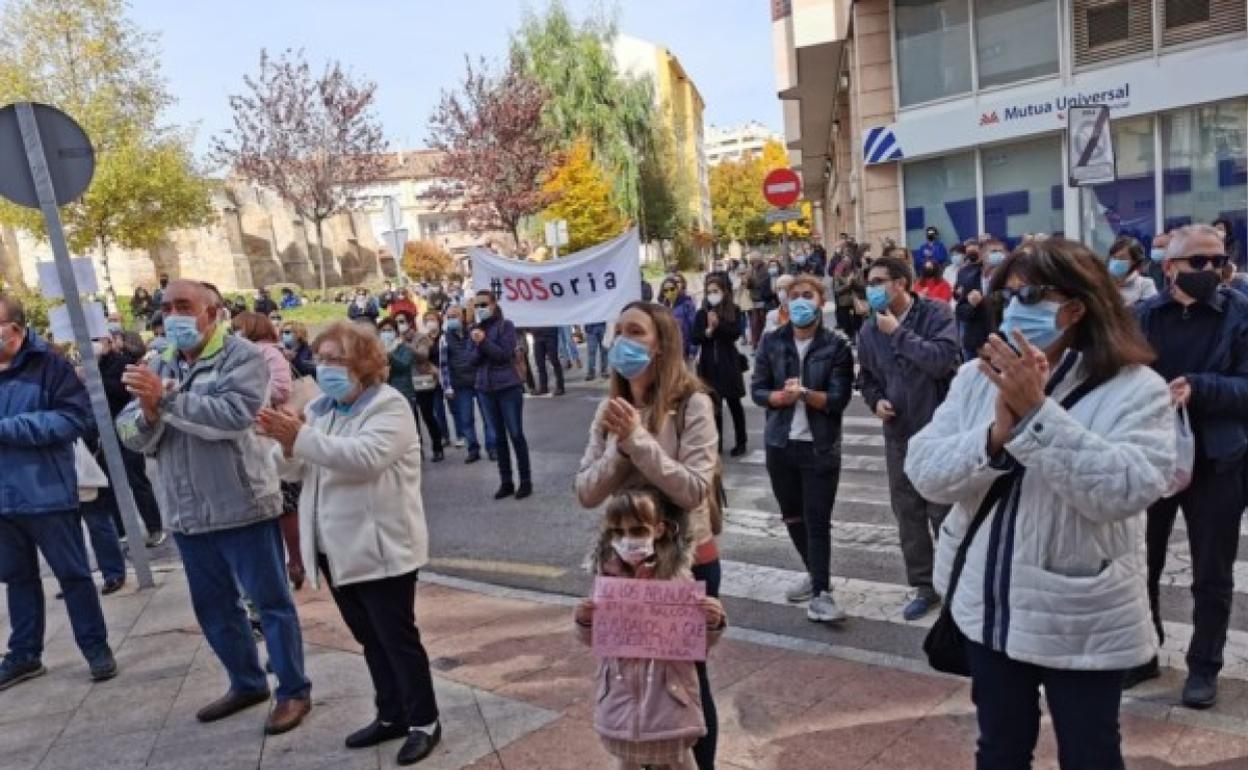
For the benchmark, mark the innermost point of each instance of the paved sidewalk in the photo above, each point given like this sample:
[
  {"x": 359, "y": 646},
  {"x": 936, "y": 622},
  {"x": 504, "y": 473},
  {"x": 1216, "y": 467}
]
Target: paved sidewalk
[{"x": 513, "y": 685}]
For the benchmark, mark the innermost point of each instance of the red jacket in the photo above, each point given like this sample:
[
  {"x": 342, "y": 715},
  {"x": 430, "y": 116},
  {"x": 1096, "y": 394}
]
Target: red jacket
[{"x": 934, "y": 288}]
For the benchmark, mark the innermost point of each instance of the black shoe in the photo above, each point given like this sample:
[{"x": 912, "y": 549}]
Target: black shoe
[
  {"x": 103, "y": 667},
  {"x": 1201, "y": 691},
  {"x": 525, "y": 489},
  {"x": 419, "y": 745},
  {"x": 493, "y": 457},
  {"x": 1139, "y": 674},
  {"x": 738, "y": 450},
  {"x": 590, "y": 377},
  {"x": 541, "y": 392},
  {"x": 506, "y": 490},
  {"x": 113, "y": 586},
  {"x": 472, "y": 458},
  {"x": 438, "y": 456},
  {"x": 14, "y": 673},
  {"x": 374, "y": 734},
  {"x": 559, "y": 391}
]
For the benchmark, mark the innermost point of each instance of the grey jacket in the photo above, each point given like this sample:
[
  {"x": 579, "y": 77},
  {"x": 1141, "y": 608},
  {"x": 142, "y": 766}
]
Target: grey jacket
[
  {"x": 215, "y": 472},
  {"x": 911, "y": 368}
]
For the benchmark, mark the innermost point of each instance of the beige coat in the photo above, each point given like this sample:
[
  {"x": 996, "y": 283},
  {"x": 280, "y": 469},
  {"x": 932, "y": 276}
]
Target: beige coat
[
  {"x": 361, "y": 504},
  {"x": 683, "y": 470}
]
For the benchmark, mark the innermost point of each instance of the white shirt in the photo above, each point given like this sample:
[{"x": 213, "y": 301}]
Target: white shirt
[
  {"x": 1136, "y": 289},
  {"x": 799, "y": 429}
]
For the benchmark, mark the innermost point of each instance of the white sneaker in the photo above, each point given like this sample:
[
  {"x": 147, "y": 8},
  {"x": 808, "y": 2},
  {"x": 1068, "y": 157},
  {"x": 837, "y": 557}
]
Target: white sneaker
[
  {"x": 823, "y": 609},
  {"x": 459, "y": 443},
  {"x": 800, "y": 591}
]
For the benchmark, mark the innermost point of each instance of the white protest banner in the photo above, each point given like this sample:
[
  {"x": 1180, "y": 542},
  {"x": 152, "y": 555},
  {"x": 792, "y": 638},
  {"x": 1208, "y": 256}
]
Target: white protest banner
[{"x": 589, "y": 286}]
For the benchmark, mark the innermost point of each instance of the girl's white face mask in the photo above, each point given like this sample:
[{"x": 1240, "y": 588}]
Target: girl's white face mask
[{"x": 633, "y": 550}]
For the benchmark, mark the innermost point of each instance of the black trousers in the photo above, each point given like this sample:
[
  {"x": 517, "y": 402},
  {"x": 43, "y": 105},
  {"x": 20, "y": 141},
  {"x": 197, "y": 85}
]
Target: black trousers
[
  {"x": 1083, "y": 704},
  {"x": 144, "y": 496},
  {"x": 546, "y": 348},
  {"x": 738, "y": 419},
  {"x": 1212, "y": 507},
  {"x": 382, "y": 617},
  {"x": 704, "y": 749},
  {"x": 804, "y": 482},
  {"x": 422, "y": 408}
]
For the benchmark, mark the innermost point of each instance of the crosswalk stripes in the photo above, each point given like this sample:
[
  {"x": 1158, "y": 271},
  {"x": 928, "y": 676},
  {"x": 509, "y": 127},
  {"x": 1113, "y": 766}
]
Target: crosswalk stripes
[{"x": 752, "y": 513}]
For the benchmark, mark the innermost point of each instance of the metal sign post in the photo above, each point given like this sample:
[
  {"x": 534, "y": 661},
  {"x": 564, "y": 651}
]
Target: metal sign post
[
  {"x": 556, "y": 236},
  {"x": 1090, "y": 146},
  {"x": 70, "y": 171}
]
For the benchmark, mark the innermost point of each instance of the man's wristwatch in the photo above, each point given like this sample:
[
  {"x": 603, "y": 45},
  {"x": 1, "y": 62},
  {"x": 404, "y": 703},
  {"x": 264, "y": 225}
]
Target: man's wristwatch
[{"x": 805, "y": 393}]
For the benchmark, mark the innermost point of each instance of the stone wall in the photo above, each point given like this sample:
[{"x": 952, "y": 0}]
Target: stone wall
[{"x": 255, "y": 240}]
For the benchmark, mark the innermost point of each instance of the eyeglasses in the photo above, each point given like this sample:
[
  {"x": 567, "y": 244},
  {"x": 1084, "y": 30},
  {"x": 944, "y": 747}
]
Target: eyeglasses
[
  {"x": 1027, "y": 295},
  {"x": 482, "y": 305},
  {"x": 1200, "y": 261},
  {"x": 331, "y": 361},
  {"x": 880, "y": 281}
]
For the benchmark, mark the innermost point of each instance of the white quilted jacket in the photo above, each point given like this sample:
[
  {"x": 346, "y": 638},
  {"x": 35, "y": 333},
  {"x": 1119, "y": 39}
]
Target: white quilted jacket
[{"x": 1056, "y": 576}]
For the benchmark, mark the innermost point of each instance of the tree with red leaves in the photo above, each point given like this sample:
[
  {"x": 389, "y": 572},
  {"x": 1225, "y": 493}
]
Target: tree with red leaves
[
  {"x": 310, "y": 139},
  {"x": 495, "y": 150}
]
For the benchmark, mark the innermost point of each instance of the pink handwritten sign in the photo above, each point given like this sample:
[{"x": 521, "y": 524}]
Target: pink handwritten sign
[{"x": 652, "y": 619}]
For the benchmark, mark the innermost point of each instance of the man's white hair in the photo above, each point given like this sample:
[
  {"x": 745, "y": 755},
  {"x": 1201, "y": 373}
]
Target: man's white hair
[{"x": 1179, "y": 238}]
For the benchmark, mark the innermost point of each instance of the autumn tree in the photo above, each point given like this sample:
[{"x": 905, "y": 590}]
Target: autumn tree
[
  {"x": 426, "y": 259},
  {"x": 495, "y": 150},
  {"x": 312, "y": 139},
  {"x": 581, "y": 194},
  {"x": 737, "y": 203},
  {"x": 587, "y": 96},
  {"x": 87, "y": 58}
]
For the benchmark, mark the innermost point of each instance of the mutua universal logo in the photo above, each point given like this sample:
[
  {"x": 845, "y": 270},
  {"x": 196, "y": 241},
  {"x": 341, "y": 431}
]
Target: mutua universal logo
[{"x": 1114, "y": 97}]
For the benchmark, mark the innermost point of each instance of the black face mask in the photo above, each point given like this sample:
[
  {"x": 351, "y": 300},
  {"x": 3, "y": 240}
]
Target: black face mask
[
  {"x": 1200, "y": 285},
  {"x": 931, "y": 236},
  {"x": 972, "y": 257},
  {"x": 929, "y": 271}
]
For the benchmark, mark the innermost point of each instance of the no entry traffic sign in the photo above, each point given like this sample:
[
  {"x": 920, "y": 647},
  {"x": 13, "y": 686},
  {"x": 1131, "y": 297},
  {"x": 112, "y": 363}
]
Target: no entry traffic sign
[{"x": 782, "y": 187}]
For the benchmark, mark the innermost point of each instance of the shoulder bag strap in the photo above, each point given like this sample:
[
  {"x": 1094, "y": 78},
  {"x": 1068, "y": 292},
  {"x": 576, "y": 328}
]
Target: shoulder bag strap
[{"x": 997, "y": 491}]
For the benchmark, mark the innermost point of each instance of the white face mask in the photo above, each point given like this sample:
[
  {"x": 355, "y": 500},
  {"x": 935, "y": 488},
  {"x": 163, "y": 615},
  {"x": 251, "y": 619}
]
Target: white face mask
[
  {"x": 98, "y": 348},
  {"x": 403, "y": 328},
  {"x": 431, "y": 327},
  {"x": 782, "y": 295},
  {"x": 714, "y": 299},
  {"x": 634, "y": 550}
]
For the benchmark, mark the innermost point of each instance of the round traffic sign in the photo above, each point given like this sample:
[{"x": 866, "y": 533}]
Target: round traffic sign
[
  {"x": 782, "y": 187},
  {"x": 66, "y": 148}
]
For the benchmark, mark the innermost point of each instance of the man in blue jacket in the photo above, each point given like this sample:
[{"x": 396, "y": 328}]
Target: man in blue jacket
[
  {"x": 43, "y": 410},
  {"x": 908, "y": 355},
  {"x": 1200, "y": 333}
]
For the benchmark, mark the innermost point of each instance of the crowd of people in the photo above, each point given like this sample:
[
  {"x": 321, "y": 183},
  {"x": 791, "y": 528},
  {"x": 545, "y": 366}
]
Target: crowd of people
[{"x": 1031, "y": 400}]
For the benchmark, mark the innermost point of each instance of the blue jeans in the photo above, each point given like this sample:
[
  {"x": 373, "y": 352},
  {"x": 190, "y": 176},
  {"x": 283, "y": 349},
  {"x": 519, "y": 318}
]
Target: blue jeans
[
  {"x": 506, "y": 409},
  {"x": 1083, "y": 705},
  {"x": 594, "y": 336},
  {"x": 567, "y": 345},
  {"x": 58, "y": 536},
  {"x": 463, "y": 407},
  {"x": 217, "y": 564},
  {"x": 104, "y": 541}
]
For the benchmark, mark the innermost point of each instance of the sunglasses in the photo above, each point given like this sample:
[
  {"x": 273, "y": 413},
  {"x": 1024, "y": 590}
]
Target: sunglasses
[
  {"x": 1200, "y": 261},
  {"x": 1027, "y": 295}
]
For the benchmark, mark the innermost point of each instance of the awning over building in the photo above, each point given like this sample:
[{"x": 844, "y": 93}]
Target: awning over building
[{"x": 816, "y": 91}]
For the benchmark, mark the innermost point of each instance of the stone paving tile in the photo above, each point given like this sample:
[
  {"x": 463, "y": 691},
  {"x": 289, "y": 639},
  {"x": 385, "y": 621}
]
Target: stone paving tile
[
  {"x": 24, "y": 742},
  {"x": 120, "y": 706},
  {"x": 123, "y": 751},
  {"x": 60, "y": 691}
]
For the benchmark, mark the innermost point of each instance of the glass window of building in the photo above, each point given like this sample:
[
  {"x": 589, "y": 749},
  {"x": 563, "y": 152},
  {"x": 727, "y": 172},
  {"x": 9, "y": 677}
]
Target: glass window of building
[
  {"x": 1129, "y": 205},
  {"x": 1015, "y": 40},
  {"x": 941, "y": 193},
  {"x": 1023, "y": 188},
  {"x": 933, "y": 49},
  {"x": 1206, "y": 170}
]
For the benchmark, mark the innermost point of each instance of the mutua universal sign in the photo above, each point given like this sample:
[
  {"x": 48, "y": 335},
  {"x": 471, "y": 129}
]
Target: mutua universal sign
[{"x": 1115, "y": 97}]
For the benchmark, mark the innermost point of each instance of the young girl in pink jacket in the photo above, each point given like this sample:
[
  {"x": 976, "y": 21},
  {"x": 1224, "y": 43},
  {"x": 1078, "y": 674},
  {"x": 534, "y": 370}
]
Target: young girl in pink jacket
[{"x": 648, "y": 712}]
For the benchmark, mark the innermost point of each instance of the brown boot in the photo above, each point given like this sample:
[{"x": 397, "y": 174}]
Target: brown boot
[
  {"x": 231, "y": 703},
  {"x": 287, "y": 715}
]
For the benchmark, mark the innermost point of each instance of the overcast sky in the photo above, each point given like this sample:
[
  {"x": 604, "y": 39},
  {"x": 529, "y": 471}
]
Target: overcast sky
[{"x": 414, "y": 48}]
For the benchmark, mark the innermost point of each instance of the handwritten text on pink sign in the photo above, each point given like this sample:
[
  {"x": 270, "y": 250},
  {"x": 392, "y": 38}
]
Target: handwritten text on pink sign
[{"x": 653, "y": 619}]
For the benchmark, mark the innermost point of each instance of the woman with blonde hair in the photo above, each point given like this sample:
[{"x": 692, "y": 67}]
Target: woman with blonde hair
[
  {"x": 362, "y": 522},
  {"x": 296, "y": 349},
  {"x": 657, "y": 429}
]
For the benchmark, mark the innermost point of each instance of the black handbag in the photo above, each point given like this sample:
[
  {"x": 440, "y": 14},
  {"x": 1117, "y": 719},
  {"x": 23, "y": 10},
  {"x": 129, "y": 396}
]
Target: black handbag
[{"x": 945, "y": 644}]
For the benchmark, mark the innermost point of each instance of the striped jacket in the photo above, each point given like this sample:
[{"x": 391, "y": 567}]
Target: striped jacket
[{"x": 1056, "y": 574}]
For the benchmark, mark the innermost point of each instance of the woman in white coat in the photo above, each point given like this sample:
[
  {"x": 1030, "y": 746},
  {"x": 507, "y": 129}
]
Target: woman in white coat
[
  {"x": 1062, "y": 439},
  {"x": 362, "y": 522}
]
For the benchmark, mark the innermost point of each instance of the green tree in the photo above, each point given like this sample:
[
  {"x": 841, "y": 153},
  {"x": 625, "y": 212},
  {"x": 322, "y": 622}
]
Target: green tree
[
  {"x": 586, "y": 94},
  {"x": 664, "y": 192},
  {"x": 581, "y": 194},
  {"x": 87, "y": 58}
]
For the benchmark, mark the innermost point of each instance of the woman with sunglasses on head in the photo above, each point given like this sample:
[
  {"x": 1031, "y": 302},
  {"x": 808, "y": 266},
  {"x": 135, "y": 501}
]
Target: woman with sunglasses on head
[
  {"x": 501, "y": 391},
  {"x": 1049, "y": 447}
]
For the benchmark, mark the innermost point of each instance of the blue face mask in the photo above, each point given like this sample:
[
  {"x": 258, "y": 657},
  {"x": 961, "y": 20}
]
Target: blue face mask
[
  {"x": 183, "y": 331},
  {"x": 995, "y": 258},
  {"x": 483, "y": 314},
  {"x": 773, "y": 271},
  {"x": 877, "y": 298},
  {"x": 1038, "y": 322},
  {"x": 628, "y": 357},
  {"x": 803, "y": 312},
  {"x": 335, "y": 381},
  {"x": 1119, "y": 268},
  {"x": 388, "y": 337},
  {"x": 1157, "y": 255},
  {"x": 288, "y": 339},
  {"x": 454, "y": 325}
]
